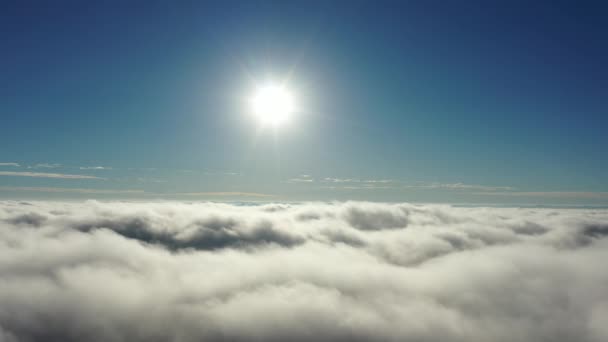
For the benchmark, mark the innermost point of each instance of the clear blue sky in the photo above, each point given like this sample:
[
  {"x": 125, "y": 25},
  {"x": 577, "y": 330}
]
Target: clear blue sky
[{"x": 448, "y": 101}]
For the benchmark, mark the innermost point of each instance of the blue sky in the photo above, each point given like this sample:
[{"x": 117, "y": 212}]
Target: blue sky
[{"x": 430, "y": 101}]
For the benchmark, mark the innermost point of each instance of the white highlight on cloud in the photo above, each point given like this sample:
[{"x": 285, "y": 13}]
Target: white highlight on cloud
[
  {"x": 10, "y": 164},
  {"x": 301, "y": 272},
  {"x": 46, "y": 175}
]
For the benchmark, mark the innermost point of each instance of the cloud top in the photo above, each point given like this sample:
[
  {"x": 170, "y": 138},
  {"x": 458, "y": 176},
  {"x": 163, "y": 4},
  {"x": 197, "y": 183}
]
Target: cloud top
[{"x": 352, "y": 271}]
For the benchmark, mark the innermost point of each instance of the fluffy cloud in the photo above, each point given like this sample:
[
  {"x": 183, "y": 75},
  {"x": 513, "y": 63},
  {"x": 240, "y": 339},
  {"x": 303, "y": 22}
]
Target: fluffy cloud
[{"x": 316, "y": 271}]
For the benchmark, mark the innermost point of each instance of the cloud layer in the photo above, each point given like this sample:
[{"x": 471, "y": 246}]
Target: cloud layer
[
  {"x": 45, "y": 175},
  {"x": 349, "y": 271}
]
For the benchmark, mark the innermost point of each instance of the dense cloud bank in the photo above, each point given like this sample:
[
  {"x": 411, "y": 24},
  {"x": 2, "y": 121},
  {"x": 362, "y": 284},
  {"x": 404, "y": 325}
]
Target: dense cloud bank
[{"x": 305, "y": 272}]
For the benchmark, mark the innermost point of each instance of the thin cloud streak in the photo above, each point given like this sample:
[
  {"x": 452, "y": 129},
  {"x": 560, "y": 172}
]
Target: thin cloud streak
[
  {"x": 549, "y": 194},
  {"x": 95, "y": 168},
  {"x": 356, "y": 180},
  {"x": 224, "y": 194},
  {"x": 135, "y": 192},
  {"x": 457, "y": 186},
  {"x": 46, "y": 175},
  {"x": 44, "y": 166},
  {"x": 372, "y": 184},
  {"x": 71, "y": 190},
  {"x": 301, "y": 179}
]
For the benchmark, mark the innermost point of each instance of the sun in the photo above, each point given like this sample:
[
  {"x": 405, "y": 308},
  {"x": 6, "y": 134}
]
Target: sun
[{"x": 272, "y": 104}]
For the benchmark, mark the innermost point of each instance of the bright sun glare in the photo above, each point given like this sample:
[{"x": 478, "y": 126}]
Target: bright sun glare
[{"x": 272, "y": 104}]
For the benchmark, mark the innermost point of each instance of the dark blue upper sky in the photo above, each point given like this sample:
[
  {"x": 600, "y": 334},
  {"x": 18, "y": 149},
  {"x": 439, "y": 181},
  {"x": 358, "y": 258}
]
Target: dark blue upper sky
[{"x": 477, "y": 101}]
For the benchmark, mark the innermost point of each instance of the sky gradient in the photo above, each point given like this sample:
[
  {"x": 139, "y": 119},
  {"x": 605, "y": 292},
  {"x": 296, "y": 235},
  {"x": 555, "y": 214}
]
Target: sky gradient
[{"x": 428, "y": 101}]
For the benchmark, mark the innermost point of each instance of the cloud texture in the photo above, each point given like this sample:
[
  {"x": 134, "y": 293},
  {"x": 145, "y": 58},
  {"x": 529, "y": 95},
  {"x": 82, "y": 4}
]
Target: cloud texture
[{"x": 349, "y": 271}]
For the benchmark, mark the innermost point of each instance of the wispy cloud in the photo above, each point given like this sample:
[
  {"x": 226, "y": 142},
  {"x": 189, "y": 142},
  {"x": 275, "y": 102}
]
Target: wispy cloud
[
  {"x": 44, "y": 166},
  {"x": 10, "y": 164},
  {"x": 134, "y": 192},
  {"x": 356, "y": 180},
  {"x": 363, "y": 186},
  {"x": 224, "y": 194},
  {"x": 378, "y": 181},
  {"x": 95, "y": 168},
  {"x": 457, "y": 186},
  {"x": 301, "y": 179},
  {"x": 142, "y": 169},
  {"x": 149, "y": 180},
  {"x": 372, "y": 184},
  {"x": 218, "y": 172},
  {"x": 310, "y": 179},
  {"x": 46, "y": 175},
  {"x": 548, "y": 194},
  {"x": 71, "y": 190},
  {"x": 340, "y": 180}
]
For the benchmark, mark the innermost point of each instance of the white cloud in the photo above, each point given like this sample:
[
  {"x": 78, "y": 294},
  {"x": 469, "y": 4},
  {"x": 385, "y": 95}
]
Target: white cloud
[
  {"x": 301, "y": 179},
  {"x": 149, "y": 180},
  {"x": 46, "y": 175},
  {"x": 219, "y": 172},
  {"x": 458, "y": 186},
  {"x": 347, "y": 183},
  {"x": 365, "y": 186},
  {"x": 44, "y": 166},
  {"x": 70, "y": 190},
  {"x": 223, "y": 194},
  {"x": 549, "y": 194},
  {"x": 375, "y": 184},
  {"x": 340, "y": 180},
  {"x": 95, "y": 168},
  {"x": 10, "y": 164},
  {"x": 357, "y": 180},
  {"x": 316, "y": 271}
]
